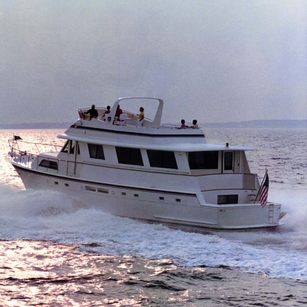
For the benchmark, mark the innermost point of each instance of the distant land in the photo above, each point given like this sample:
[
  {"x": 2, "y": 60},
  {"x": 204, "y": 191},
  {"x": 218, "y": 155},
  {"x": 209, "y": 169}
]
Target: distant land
[
  {"x": 243, "y": 124},
  {"x": 289, "y": 123},
  {"x": 35, "y": 126}
]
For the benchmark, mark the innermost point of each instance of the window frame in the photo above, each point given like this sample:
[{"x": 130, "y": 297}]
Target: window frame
[
  {"x": 129, "y": 156},
  {"x": 49, "y": 164},
  {"x": 95, "y": 153},
  {"x": 204, "y": 165},
  {"x": 69, "y": 147},
  {"x": 162, "y": 161},
  {"x": 228, "y": 161}
]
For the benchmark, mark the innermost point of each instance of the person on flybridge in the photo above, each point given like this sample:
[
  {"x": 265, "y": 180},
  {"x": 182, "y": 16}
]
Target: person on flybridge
[
  {"x": 194, "y": 124},
  {"x": 141, "y": 117},
  {"x": 92, "y": 112}
]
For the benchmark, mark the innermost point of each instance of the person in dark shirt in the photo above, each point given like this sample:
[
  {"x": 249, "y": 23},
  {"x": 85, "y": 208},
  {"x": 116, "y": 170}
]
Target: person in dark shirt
[
  {"x": 106, "y": 113},
  {"x": 108, "y": 110},
  {"x": 92, "y": 112},
  {"x": 118, "y": 113}
]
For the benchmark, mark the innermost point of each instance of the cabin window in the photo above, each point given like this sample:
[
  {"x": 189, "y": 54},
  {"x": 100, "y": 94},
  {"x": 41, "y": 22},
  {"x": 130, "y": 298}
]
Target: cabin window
[
  {"x": 66, "y": 147},
  {"x": 159, "y": 158},
  {"x": 203, "y": 159},
  {"x": 70, "y": 147},
  {"x": 228, "y": 160},
  {"x": 227, "y": 199},
  {"x": 49, "y": 164},
  {"x": 129, "y": 156},
  {"x": 96, "y": 151}
]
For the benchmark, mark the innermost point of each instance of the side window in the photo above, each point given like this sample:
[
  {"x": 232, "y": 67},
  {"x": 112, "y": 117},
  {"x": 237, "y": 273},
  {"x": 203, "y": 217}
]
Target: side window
[
  {"x": 228, "y": 160},
  {"x": 227, "y": 199},
  {"x": 66, "y": 147},
  {"x": 70, "y": 147},
  {"x": 164, "y": 159},
  {"x": 49, "y": 164},
  {"x": 204, "y": 159},
  {"x": 96, "y": 151},
  {"x": 129, "y": 156}
]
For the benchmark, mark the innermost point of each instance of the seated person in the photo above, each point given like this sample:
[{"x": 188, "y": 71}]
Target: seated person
[
  {"x": 107, "y": 111},
  {"x": 183, "y": 125},
  {"x": 194, "y": 124},
  {"x": 92, "y": 112}
]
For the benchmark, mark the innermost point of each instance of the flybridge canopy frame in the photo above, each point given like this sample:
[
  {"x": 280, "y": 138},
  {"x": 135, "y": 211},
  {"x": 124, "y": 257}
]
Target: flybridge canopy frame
[{"x": 156, "y": 122}]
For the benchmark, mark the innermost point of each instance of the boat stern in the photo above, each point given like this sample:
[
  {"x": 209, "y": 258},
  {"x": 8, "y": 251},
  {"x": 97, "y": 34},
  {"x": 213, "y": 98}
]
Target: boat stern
[{"x": 250, "y": 216}]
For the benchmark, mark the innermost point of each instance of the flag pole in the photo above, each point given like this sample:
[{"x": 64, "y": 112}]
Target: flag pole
[{"x": 262, "y": 182}]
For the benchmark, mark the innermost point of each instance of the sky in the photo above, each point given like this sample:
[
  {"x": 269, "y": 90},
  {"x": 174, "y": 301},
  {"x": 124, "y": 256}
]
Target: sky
[{"x": 214, "y": 60}]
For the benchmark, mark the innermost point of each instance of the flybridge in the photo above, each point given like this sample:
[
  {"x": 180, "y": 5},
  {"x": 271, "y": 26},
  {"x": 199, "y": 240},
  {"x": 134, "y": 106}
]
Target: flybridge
[
  {"x": 128, "y": 116},
  {"x": 126, "y": 122}
]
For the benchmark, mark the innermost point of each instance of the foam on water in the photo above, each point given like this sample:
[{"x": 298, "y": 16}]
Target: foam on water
[{"x": 46, "y": 215}]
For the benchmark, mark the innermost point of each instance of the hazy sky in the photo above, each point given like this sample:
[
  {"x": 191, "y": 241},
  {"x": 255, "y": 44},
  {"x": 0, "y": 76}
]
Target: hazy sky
[{"x": 215, "y": 60}]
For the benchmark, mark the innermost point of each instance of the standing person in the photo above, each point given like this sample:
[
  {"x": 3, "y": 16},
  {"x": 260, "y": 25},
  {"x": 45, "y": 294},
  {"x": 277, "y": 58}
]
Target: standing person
[
  {"x": 92, "y": 112},
  {"x": 141, "y": 114},
  {"x": 118, "y": 113},
  {"x": 141, "y": 117}
]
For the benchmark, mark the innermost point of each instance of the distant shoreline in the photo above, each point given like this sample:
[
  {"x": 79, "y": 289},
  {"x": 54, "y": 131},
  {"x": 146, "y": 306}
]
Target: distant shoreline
[
  {"x": 35, "y": 126},
  {"x": 260, "y": 124},
  {"x": 243, "y": 124}
]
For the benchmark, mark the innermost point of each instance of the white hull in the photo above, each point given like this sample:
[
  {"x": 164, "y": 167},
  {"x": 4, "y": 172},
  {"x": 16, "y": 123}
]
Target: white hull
[{"x": 146, "y": 204}]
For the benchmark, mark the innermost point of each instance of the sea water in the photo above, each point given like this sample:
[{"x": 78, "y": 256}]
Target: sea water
[{"x": 53, "y": 217}]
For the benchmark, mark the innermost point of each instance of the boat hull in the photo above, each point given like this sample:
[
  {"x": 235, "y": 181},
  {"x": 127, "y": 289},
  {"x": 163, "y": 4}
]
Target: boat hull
[{"x": 154, "y": 205}]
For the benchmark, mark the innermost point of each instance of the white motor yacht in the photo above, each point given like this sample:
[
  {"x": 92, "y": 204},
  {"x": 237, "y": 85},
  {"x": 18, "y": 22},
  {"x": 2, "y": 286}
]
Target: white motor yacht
[{"x": 139, "y": 168}]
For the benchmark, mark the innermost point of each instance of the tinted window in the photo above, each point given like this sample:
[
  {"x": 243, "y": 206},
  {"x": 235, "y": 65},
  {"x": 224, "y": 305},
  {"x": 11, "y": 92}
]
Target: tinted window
[
  {"x": 129, "y": 156},
  {"x": 49, "y": 164},
  {"x": 165, "y": 159},
  {"x": 66, "y": 147},
  {"x": 96, "y": 151},
  {"x": 204, "y": 159},
  {"x": 228, "y": 157},
  {"x": 70, "y": 147},
  {"x": 227, "y": 199}
]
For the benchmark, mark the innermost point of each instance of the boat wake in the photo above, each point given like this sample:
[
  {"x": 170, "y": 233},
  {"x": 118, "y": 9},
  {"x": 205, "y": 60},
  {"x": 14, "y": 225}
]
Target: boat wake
[
  {"x": 295, "y": 205},
  {"x": 46, "y": 215}
]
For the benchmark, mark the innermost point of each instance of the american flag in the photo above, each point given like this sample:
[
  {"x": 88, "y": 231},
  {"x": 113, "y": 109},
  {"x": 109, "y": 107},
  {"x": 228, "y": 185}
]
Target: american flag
[{"x": 263, "y": 191}]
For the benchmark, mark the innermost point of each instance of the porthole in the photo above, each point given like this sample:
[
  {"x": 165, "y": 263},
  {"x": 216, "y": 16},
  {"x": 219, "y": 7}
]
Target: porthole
[{"x": 161, "y": 197}]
